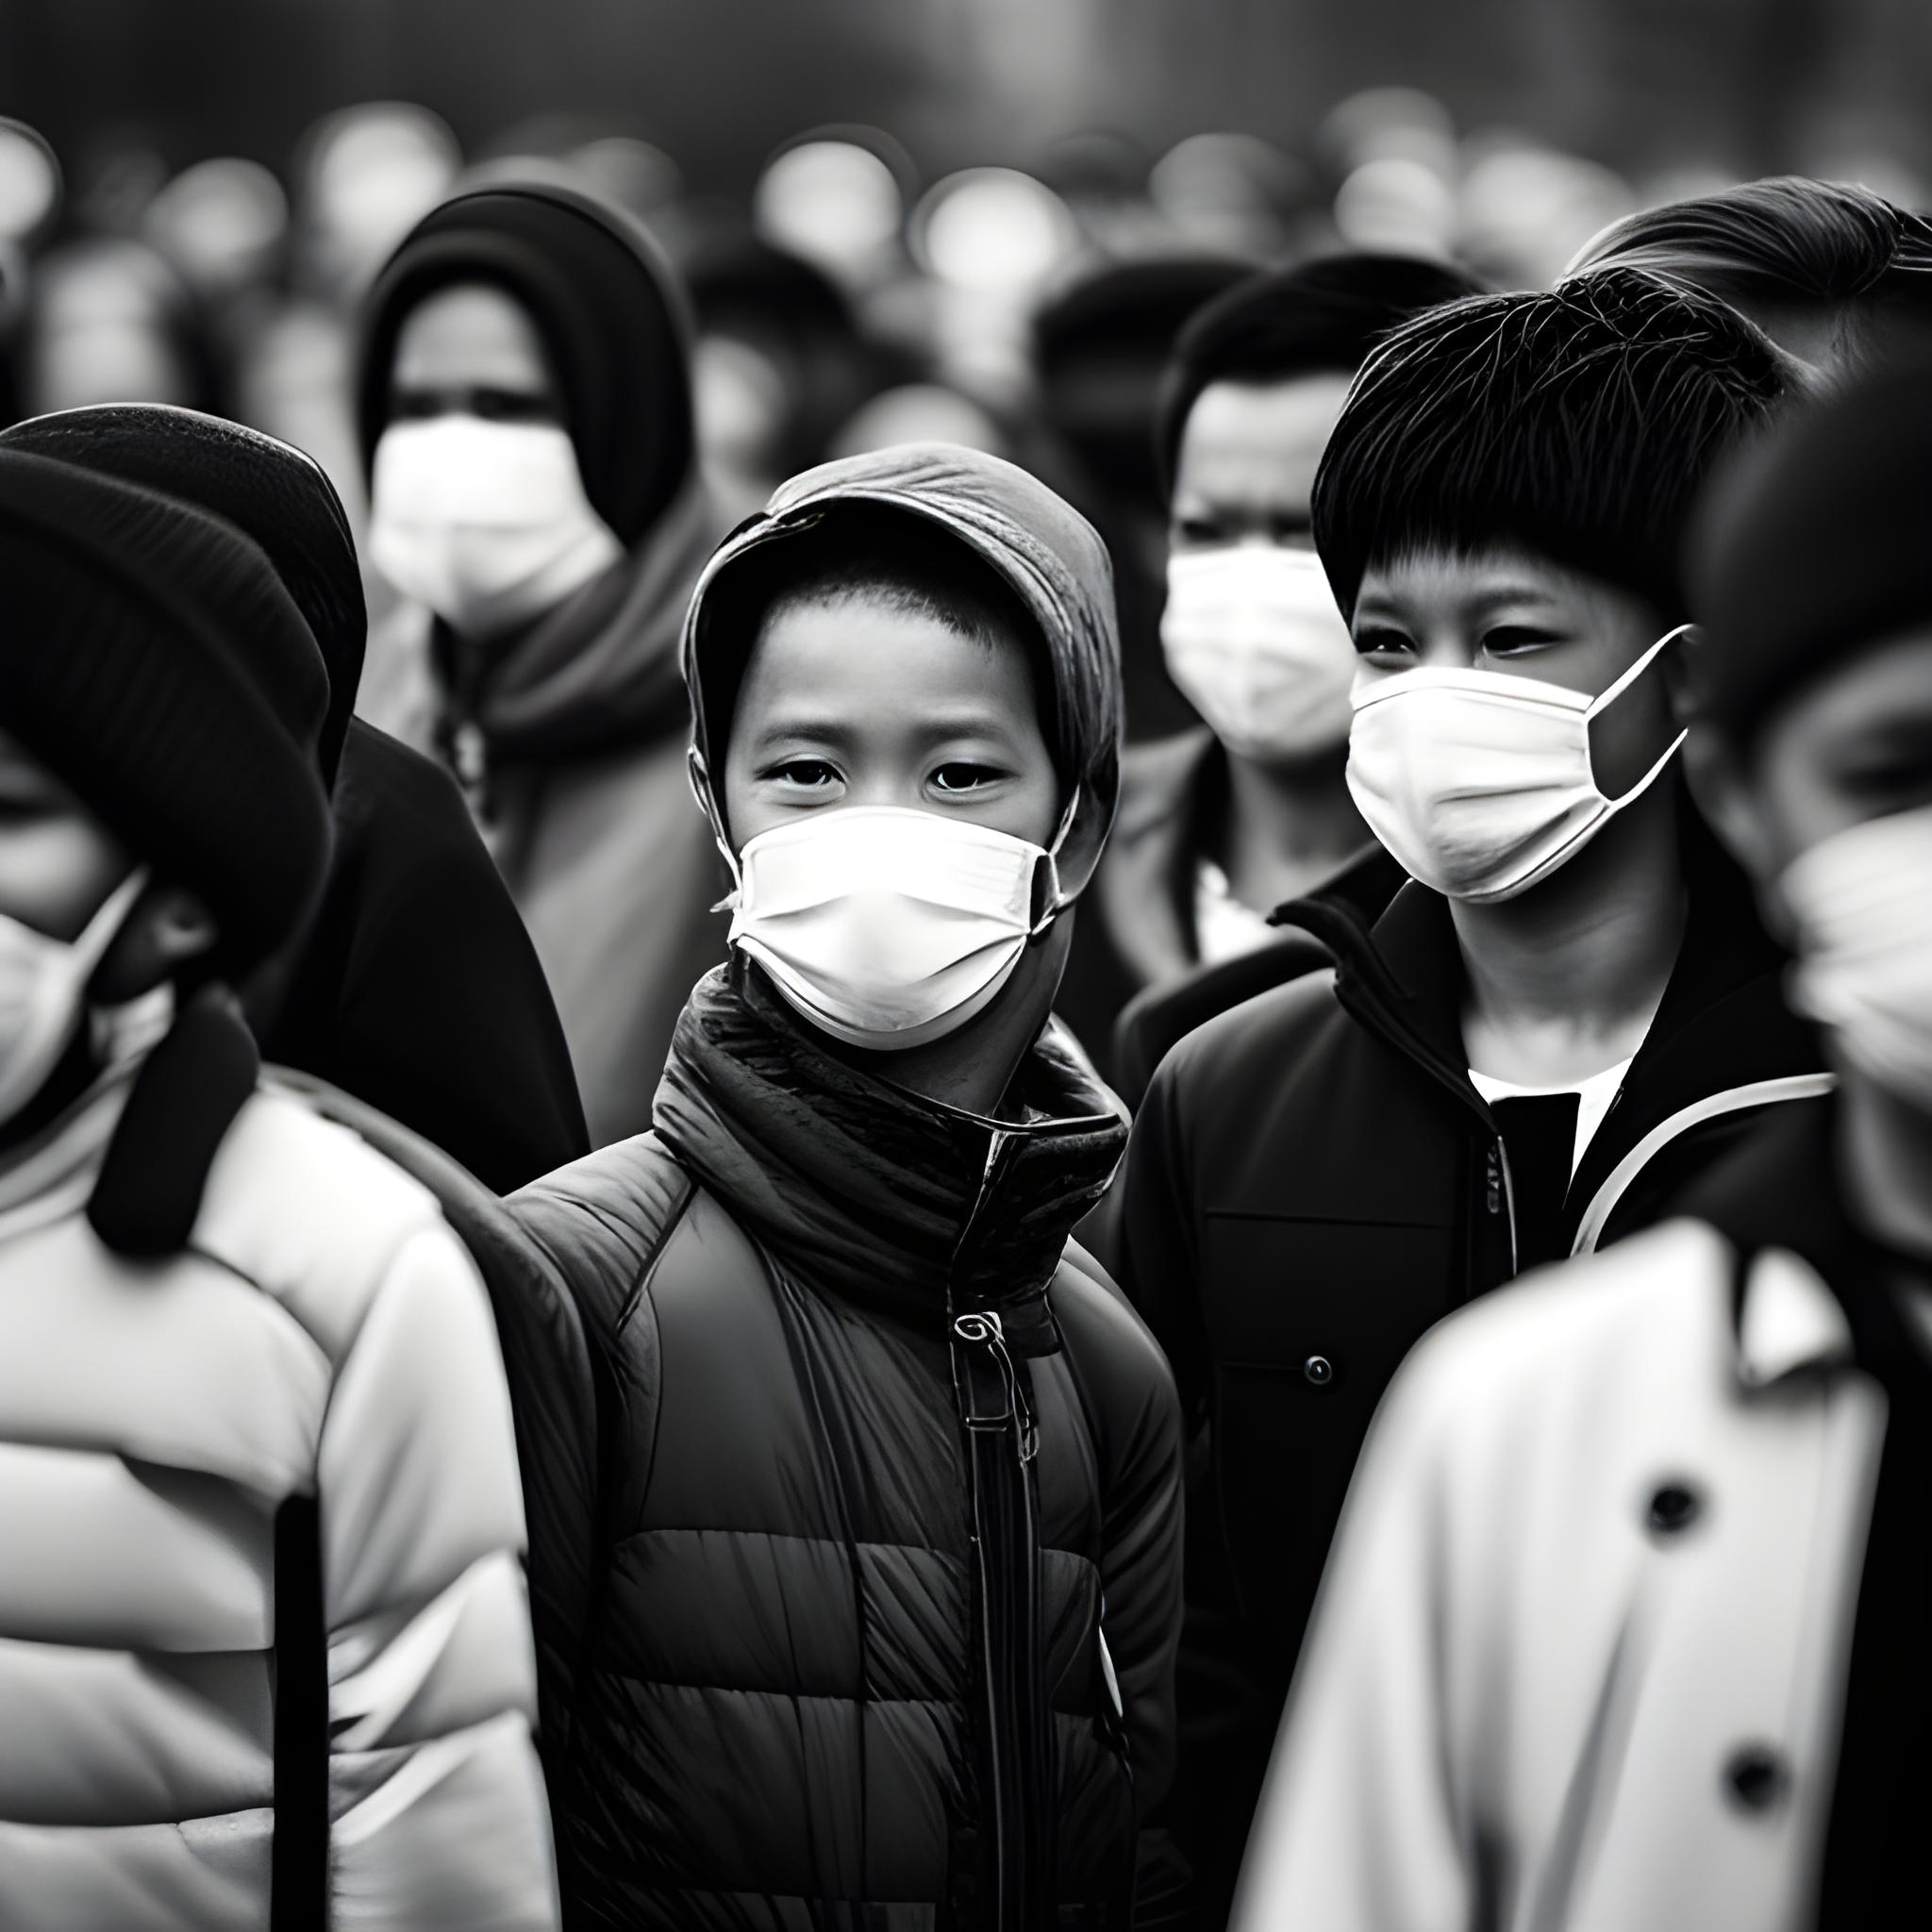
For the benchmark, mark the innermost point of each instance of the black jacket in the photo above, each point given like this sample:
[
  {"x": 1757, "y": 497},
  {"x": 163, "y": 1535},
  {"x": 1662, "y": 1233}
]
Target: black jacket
[
  {"x": 1313, "y": 1182},
  {"x": 415, "y": 987},
  {"x": 889, "y": 1474}
]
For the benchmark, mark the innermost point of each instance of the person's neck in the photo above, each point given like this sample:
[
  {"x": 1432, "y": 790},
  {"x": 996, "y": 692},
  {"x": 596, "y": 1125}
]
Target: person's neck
[
  {"x": 1564, "y": 981},
  {"x": 1885, "y": 1164},
  {"x": 1286, "y": 827},
  {"x": 72, "y": 1076}
]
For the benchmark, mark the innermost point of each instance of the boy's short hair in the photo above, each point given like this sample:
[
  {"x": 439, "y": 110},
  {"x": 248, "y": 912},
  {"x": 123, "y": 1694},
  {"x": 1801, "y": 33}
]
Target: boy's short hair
[
  {"x": 876, "y": 554},
  {"x": 1813, "y": 548},
  {"x": 1786, "y": 240},
  {"x": 1320, "y": 318},
  {"x": 1579, "y": 424}
]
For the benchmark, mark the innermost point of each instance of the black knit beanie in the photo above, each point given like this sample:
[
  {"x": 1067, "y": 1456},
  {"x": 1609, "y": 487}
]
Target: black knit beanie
[
  {"x": 274, "y": 493},
  {"x": 124, "y": 617},
  {"x": 1812, "y": 546},
  {"x": 610, "y": 313}
]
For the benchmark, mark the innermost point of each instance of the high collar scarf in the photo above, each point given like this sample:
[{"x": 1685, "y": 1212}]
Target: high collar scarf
[
  {"x": 598, "y": 672},
  {"x": 876, "y": 1195}
]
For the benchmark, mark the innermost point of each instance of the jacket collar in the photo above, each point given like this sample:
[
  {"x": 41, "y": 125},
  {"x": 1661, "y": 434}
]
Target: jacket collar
[
  {"x": 876, "y": 1195},
  {"x": 1723, "y": 1021},
  {"x": 598, "y": 672}
]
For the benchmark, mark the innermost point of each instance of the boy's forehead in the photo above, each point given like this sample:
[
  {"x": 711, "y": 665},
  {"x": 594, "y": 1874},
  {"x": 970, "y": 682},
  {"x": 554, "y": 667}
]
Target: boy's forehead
[{"x": 23, "y": 775}]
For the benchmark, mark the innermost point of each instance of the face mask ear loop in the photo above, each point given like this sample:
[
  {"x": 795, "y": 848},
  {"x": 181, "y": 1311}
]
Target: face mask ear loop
[
  {"x": 96, "y": 938},
  {"x": 1056, "y": 901},
  {"x": 1611, "y": 695}
]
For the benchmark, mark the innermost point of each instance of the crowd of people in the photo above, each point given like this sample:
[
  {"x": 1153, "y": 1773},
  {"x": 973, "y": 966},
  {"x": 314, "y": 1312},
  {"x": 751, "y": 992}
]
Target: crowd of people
[{"x": 845, "y": 1085}]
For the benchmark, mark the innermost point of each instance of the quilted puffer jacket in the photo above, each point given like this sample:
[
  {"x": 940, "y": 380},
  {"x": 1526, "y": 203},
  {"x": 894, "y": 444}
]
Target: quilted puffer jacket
[
  {"x": 265, "y": 1655},
  {"x": 889, "y": 1523}
]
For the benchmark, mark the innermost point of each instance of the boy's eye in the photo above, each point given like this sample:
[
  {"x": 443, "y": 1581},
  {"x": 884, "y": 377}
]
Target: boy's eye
[
  {"x": 810, "y": 774},
  {"x": 1377, "y": 641},
  {"x": 1515, "y": 639},
  {"x": 962, "y": 777}
]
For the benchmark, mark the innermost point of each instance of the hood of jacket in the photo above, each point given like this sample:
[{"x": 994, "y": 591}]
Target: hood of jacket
[
  {"x": 1039, "y": 544},
  {"x": 877, "y": 1195}
]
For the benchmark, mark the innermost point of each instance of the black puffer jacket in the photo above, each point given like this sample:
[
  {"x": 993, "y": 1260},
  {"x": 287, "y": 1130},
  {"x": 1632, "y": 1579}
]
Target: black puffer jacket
[{"x": 892, "y": 1487}]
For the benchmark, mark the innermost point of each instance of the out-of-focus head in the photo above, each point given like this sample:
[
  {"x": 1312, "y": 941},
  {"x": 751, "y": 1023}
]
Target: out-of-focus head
[
  {"x": 1257, "y": 380},
  {"x": 156, "y": 678},
  {"x": 274, "y": 493},
  {"x": 111, "y": 322},
  {"x": 1813, "y": 738},
  {"x": 1814, "y": 588},
  {"x": 365, "y": 176},
  {"x": 1835, "y": 274},
  {"x": 536, "y": 303}
]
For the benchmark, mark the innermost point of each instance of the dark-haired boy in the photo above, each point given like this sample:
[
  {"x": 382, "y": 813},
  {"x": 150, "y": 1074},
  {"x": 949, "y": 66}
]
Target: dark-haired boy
[
  {"x": 890, "y": 1563},
  {"x": 1569, "y": 1006},
  {"x": 1625, "y": 1626},
  {"x": 1219, "y": 824},
  {"x": 265, "y": 1650}
]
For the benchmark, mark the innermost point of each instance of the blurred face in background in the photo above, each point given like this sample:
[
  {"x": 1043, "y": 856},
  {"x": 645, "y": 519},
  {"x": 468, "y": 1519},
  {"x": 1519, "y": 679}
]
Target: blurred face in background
[
  {"x": 477, "y": 503},
  {"x": 1251, "y": 632}
]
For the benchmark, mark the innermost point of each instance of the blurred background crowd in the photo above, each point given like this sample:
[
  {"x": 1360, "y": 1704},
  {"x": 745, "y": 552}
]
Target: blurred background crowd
[{"x": 982, "y": 221}]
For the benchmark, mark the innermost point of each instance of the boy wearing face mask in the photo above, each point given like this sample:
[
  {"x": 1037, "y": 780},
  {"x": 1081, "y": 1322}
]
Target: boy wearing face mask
[
  {"x": 1568, "y": 1011},
  {"x": 1684, "y": 1486},
  {"x": 524, "y": 406},
  {"x": 265, "y": 1651},
  {"x": 890, "y": 1536},
  {"x": 1222, "y": 823}
]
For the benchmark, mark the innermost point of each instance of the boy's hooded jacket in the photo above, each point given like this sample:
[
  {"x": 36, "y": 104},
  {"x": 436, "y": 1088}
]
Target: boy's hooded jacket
[
  {"x": 889, "y": 1532},
  {"x": 265, "y": 1654},
  {"x": 569, "y": 733}
]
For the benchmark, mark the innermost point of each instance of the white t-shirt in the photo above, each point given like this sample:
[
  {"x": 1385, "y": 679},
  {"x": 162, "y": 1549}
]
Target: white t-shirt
[
  {"x": 1593, "y": 1098},
  {"x": 1224, "y": 927}
]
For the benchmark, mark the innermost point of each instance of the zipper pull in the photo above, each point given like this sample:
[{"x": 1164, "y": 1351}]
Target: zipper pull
[{"x": 984, "y": 1330}]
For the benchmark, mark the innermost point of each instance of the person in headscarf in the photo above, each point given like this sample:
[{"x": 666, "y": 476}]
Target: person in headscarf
[
  {"x": 890, "y": 1544},
  {"x": 265, "y": 1649},
  {"x": 1221, "y": 824},
  {"x": 523, "y": 400},
  {"x": 413, "y": 986}
]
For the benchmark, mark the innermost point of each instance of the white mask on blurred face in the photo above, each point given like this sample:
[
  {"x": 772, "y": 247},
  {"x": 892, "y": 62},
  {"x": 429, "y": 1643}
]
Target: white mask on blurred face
[
  {"x": 43, "y": 992},
  {"x": 1479, "y": 784},
  {"x": 1862, "y": 901},
  {"x": 1256, "y": 643},
  {"x": 485, "y": 523},
  {"x": 887, "y": 928}
]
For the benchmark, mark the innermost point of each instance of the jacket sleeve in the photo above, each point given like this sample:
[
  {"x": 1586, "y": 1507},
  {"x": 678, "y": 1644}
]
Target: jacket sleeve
[
  {"x": 1136, "y": 1418},
  {"x": 436, "y": 1803},
  {"x": 1157, "y": 1241},
  {"x": 1361, "y": 1826}
]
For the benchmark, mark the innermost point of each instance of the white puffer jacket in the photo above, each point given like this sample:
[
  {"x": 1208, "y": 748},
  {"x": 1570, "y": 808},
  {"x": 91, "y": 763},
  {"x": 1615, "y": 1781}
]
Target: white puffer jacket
[
  {"x": 1579, "y": 1658},
  {"x": 319, "y": 1367}
]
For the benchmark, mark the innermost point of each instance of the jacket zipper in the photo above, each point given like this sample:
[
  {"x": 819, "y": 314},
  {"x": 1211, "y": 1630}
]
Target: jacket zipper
[{"x": 1002, "y": 1436}]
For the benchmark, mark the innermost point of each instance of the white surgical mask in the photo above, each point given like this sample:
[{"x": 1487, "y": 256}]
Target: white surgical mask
[
  {"x": 1479, "y": 784},
  {"x": 1254, "y": 641},
  {"x": 1862, "y": 901},
  {"x": 888, "y": 928},
  {"x": 43, "y": 992},
  {"x": 485, "y": 523}
]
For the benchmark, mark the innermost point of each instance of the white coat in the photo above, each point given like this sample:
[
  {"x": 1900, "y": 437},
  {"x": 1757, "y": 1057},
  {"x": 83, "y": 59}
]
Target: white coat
[{"x": 1580, "y": 1654}]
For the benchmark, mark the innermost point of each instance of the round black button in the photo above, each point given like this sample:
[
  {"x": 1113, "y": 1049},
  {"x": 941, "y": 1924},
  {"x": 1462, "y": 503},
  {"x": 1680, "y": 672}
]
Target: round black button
[
  {"x": 1318, "y": 1369},
  {"x": 1673, "y": 1508},
  {"x": 1757, "y": 1777}
]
